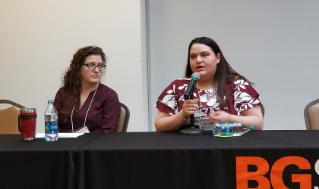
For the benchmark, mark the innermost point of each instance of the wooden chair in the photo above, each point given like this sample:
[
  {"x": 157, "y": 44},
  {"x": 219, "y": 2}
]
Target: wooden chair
[
  {"x": 124, "y": 118},
  {"x": 311, "y": 114},
  {"x": 9, "y": 117}
]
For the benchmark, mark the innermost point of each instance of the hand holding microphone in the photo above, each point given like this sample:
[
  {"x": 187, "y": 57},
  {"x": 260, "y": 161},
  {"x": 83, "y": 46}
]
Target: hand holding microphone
[
  {"x": 191, "y": 85},
  {"x": 189, "y": 108},
  {"x": 190, "y": 105}
]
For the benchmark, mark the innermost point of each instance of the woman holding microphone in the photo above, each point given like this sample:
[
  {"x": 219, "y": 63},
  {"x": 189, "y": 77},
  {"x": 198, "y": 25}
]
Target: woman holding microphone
[{"x": 221, "y": 94}]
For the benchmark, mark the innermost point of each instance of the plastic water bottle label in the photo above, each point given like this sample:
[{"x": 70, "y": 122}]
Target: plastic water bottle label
[
  {"x": 228, "y": 124},
  {"x": 51, "y": 127},
  {"x": 227, "y": 130}
]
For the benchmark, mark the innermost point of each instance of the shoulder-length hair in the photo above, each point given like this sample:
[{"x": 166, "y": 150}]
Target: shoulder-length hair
[{"x": 224, "y": 72}]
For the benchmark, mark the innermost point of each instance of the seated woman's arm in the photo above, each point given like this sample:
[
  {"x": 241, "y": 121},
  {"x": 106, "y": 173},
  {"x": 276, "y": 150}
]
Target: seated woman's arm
[
  {"x": 166, "y": 122},
  {"x": 58, "y": 104},
  {"x": 251, "y": 116},
  {"x": 111, "y": 113}
]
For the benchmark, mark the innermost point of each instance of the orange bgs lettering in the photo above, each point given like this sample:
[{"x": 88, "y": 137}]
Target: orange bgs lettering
[{"x": 276, "y": 173}]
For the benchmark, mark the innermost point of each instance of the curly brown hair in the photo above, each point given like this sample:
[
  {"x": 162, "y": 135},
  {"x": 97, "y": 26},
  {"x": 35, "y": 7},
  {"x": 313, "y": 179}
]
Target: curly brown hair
[{"x": 71, "y": 79}]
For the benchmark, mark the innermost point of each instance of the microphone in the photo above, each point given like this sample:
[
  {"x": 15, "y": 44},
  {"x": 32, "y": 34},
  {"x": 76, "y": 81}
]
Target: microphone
[{"x": 191, "y": 85}]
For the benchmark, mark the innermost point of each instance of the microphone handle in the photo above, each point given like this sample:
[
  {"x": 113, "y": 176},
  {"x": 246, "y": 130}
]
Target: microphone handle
[
  {"x": 191, "y": 124},
  {"x": 190, "y": 89}
]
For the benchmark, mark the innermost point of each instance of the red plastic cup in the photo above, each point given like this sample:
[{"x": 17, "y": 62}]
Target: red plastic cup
[{"x": 27, "y": 123}]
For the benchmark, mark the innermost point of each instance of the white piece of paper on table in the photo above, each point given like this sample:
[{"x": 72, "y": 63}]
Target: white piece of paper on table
[{"x": 61, "y": 135}]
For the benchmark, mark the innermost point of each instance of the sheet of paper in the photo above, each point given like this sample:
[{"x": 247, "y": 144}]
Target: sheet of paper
[{"x": 60, "y": 135}]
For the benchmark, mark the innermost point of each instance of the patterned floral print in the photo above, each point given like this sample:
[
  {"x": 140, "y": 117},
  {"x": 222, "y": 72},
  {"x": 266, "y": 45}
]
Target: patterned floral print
[{"x": 172, "y": 98}]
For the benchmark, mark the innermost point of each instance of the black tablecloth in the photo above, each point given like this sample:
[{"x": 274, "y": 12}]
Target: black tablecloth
[
  {"x": 40, "y": 164},
  {"x": 170, "y": 160}
]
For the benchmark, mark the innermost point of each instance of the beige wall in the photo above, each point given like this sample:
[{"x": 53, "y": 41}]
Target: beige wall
[{"x": 39, "y": 37}]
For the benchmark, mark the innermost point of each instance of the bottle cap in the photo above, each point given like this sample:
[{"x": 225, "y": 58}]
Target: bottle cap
[
  {"x": 251, "y": 128},
  {"x": 50, "y": 101}
]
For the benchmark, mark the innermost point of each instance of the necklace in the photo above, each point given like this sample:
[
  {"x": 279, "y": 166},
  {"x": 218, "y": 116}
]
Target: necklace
[
  {"x": 200, "y": 102},
  {"x": 206, "y": 97},
  {"x": 86, "y": 111}
]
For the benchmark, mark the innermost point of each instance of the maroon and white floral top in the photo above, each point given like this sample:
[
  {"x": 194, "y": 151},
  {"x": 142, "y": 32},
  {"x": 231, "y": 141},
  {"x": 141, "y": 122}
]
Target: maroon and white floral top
[
  {"x": 242, "y": 97},
  {"x": 102, "y": 116}
]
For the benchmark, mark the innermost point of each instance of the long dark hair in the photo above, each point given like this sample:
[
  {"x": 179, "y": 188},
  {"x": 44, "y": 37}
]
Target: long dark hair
[
  {"x": 71, "y": 79},
  {"x": 224, "y": 72}
]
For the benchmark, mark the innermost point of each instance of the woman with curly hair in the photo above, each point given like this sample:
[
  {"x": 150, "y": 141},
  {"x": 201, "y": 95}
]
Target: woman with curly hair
[
  {"x": 83, "y": 103},
  {"x": 221, "y": 95}
]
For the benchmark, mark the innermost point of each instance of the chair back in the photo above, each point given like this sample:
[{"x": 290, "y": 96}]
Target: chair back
[
  {"x": 311, "y": 114},
  {"x": 9, "y": 117},
  {"x": 124, "y": 118},
  {"x": 262, "y": 110}
]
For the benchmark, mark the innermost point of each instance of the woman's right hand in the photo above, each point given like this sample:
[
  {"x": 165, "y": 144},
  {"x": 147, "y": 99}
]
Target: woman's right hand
[
  {"x": 167, "y": 122},
  {"x": 189, "y": 108}
]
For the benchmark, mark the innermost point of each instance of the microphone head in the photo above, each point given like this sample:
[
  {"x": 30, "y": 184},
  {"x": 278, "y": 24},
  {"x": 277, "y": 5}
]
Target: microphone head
[{"x": 195, "y": 74}]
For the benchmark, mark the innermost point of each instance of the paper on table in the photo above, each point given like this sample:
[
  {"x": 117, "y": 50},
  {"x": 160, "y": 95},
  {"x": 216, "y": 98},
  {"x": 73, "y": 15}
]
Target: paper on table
[{"x": 61, "y": 135}]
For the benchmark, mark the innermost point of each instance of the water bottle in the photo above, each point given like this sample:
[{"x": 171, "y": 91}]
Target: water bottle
[
  {"x": 51, "y": 122},
  {"x": 231, "y": 129}
]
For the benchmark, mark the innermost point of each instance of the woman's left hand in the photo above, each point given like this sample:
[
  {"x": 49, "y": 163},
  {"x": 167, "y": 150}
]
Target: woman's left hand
[
  {"x": 219, "y": 117},
  {"x": 252, "y": 116}
]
